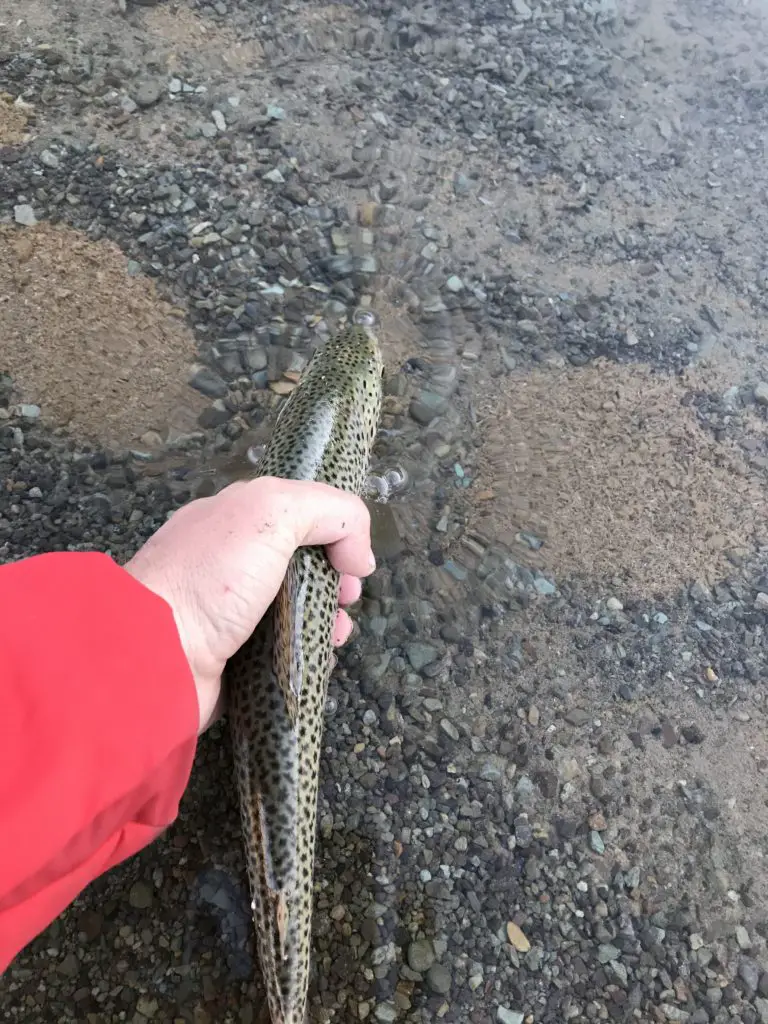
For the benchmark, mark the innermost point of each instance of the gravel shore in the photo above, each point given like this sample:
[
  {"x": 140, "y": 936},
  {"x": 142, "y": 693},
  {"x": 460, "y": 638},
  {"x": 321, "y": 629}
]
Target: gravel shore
[{"x": 543, "y": 791}]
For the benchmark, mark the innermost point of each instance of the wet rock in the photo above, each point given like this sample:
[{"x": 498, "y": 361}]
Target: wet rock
[
  {"x": 749, "y": 972},
  {"x": 386, "y": 1013},
  {"x": 24, "y": 214},
  {"x": 577, "y": 717},
  {"x": 69, "y": 966},
  {"x": 439, "y": 979},
  {"x": 427, "y": 407},
  {"x": 148, "y": 94},
  {"x": 140, "y": 896},
  {"x": 421, "y": 955},
  {"x": 506, "y": 1016},
  {"x": 209, "y": 383},
  {"x": 420, "y": 655}
]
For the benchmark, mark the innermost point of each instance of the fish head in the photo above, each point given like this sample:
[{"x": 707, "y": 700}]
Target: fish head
[
  {"x": 345, "y": 375},
  {"x": 353, "y": 358},
  {"x": 327, "y": 427}
]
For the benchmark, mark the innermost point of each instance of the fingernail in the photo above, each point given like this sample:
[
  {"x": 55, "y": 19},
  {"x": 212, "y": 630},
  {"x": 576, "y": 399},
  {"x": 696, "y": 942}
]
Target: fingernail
[{"x": 371, "y": 561}]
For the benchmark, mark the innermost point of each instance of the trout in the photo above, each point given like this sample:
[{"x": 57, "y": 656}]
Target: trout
[{"x": 278, "y": 681}]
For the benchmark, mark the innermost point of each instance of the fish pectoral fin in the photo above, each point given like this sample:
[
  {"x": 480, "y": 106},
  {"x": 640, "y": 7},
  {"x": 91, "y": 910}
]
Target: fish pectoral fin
[
  {"x": 281, "y": 912},
  {"x": 290, "y": 616}
]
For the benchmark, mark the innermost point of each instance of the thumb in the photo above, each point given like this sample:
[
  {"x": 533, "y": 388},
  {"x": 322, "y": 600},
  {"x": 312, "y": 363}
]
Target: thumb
[{"x": 298, "y": 512}]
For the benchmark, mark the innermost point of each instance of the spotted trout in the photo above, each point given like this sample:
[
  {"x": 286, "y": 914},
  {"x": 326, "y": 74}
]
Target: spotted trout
[{"x": 277, "y": 682}]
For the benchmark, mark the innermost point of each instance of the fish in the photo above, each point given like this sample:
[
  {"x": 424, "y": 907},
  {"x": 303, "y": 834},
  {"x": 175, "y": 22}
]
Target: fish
[{"x": 277, "y": 682}]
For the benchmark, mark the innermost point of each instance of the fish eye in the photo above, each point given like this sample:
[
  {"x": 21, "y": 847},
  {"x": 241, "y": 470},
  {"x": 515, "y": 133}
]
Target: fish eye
[{"x": 364, "y": 318}]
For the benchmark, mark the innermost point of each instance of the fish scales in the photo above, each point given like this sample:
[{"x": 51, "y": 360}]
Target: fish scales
[{"x": 277, "y": 682}]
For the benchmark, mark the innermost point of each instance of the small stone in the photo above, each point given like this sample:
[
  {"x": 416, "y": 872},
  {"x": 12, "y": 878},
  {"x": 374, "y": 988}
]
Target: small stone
[
  {"x": 533, "y": 715},
  {"x": 140, "y": 896},
  {"x": 49, "y": 159},
  {"x": 427, "y": 407},
  {"x": 69, "y": 966},
  {"x": 761, "y": 600},
  {"x": 675, "y": 1013},
  {"x": 577, "y": 717},
  {"x": 24, "y": 214},
  {"x": 517, "y": 937},
  {"x": 256, "y": 358},
  {"x": 147, "y": 94},
  {"x": 29, "y": 412},
  {"x": 420, "y": 655},
  {"x": 386, "y": 1013},
  {"x": 543, "y": 586},
  {"x": 761, "y": 393},
  {"x": 209, "y": 383},
  {"x": 742, "y": 937},
  {"x": 522, "y": 10},
  {"x": 454, "y": 284},
  {"x": 596, "y": 842},
  {"x": 90, "y": 924},
  {"x": 275, "y": 113},
  {"x": 151, "y": 439},
  {"x": 175, "y": 86},
  {"x": 597, "y": 822},
  {"x": 146, "y": 1006},
  {"x": 505, "y": 1016},
  {"x": 700, "y": 592},
  {"x": 421, "y": 955},
  {"x": 613, "y": 604},
  {"x": 218, "y": 119},
  {"x": 274, "y": 176},
  {"x": 669, "y": 737},
  {"x": 749, "y": 972},
  {"x": 606, "y": 953},
  {"x": 461, "y": 184},
  {"x": 439, "y": 979},
  {"x": 449, "y": 729}
]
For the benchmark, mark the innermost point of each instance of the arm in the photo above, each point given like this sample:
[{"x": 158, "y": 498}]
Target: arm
[
  {"x": 98, "y": 730},
  {"x": 107, "y": 675}
]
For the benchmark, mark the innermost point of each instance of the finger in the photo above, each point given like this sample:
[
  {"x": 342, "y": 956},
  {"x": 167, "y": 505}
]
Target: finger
[
  {"x": 342, "y": 629},
  {"x": 350, "y": 589},
  {"x": 316, "y": 514}
]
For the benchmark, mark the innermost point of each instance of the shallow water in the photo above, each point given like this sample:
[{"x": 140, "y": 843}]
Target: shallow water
[{"x": 538, "y": 786}]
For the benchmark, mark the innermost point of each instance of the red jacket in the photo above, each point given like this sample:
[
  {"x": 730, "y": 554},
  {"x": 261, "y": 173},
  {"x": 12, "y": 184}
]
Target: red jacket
[{"x": 98, "y": 729}]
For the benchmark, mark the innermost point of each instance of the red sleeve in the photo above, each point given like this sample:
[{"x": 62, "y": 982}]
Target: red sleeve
[{"x": 98, "y": 729}]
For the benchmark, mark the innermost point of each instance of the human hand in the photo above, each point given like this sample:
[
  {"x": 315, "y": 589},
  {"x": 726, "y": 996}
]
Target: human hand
[{"x": 219, "y": 563}]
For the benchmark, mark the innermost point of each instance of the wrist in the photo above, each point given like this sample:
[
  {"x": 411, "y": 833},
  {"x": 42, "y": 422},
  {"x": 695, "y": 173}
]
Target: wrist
[{"x": 206, "y": 678}]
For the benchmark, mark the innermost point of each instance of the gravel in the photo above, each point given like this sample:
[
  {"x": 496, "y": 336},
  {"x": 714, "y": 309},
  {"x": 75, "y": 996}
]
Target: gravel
[{"x": 534, "y": 801}]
